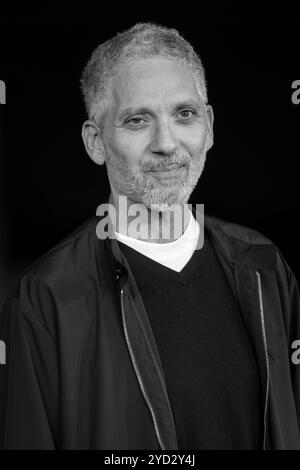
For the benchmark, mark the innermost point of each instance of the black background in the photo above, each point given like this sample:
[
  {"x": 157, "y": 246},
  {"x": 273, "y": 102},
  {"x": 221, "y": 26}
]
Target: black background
[{"x": 49, "y": 185}]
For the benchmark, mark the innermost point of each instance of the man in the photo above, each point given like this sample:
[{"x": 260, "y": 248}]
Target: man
[{"x": 169, "y": 335}]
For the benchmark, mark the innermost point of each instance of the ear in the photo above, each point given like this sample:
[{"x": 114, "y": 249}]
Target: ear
[
  {"x": 210, "y": 130},
  {"x": 92, "y": 139}
]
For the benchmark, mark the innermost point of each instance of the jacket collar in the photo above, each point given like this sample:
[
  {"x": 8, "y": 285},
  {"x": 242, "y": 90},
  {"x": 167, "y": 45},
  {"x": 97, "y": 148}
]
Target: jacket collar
[
  {"x": 238, "y": 244},
  {"x": 241, "y": 245}
]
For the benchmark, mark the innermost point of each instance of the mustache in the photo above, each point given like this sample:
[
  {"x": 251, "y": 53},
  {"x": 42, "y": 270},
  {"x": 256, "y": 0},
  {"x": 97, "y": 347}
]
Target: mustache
[{"x": 165, "y": 163}]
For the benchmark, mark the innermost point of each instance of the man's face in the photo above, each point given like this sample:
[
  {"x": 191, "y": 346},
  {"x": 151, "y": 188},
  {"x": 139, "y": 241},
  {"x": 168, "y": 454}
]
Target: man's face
[{"x": 155, "y": 132}]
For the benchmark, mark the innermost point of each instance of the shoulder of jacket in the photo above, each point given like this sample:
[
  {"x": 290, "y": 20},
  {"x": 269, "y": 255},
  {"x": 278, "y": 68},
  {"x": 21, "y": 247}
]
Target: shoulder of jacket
[
  {"x": 60, "y": 277},
  {"x": 237, "y": 231},
  {"x": 68, "y": 262}
]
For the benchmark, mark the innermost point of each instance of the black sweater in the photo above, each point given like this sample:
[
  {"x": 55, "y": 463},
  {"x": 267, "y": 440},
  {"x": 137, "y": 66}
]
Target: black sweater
[{"x": 209, "y": 363}]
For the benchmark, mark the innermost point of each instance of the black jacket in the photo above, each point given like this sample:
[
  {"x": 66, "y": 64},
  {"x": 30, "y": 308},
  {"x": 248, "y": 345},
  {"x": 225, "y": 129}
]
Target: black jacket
[{"x": 82, "y": 367}]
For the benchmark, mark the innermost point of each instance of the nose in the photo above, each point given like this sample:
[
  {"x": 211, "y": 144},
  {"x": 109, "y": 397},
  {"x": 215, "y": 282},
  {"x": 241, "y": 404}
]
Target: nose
[{"x": 164, "y": 140}]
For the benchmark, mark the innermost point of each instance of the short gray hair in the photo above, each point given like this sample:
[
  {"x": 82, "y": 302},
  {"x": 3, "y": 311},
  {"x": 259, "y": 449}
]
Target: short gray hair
[{"x": 141, "y": 41}]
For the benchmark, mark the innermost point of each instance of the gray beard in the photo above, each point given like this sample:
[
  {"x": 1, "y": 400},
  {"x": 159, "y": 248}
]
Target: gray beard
[{"x": 140, "y": 187}]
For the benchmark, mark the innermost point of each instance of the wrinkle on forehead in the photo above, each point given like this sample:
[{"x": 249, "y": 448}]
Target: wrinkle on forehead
[{"x": 153, "y": 82}]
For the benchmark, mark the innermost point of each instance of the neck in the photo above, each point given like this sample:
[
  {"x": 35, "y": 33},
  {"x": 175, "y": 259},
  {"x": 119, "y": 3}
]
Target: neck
[{"x": 138, "y": 221}]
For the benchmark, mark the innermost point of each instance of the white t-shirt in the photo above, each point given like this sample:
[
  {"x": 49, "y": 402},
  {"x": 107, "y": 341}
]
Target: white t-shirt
[{"x": 175, "y": 254}]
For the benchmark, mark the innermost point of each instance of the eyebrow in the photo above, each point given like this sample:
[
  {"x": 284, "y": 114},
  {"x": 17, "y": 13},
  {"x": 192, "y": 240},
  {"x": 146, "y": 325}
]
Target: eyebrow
[{"x": 145, "y": 110}]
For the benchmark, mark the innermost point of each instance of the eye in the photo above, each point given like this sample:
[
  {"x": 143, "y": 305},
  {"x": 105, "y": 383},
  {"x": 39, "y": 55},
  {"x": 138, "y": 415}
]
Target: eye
[
  {"x": 186, "y": 114},
  {"x": 135, "y": 121}
]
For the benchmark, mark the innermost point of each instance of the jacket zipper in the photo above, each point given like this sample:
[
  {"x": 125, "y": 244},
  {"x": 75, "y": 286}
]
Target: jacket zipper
[
  {"x": 136, "y": 369},
  {"x": 266, "y": 355},
  {"x": 132, "y": 356}
]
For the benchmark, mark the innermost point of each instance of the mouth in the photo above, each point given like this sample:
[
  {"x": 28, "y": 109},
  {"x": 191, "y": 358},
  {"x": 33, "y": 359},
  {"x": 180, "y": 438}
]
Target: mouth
[
  {"x": 170, "y": 170},
  {"x": 170, "y": 176}
]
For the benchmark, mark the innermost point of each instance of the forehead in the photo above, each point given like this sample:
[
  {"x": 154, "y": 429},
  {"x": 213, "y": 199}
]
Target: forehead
[{"x": 152, "y": 82}]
